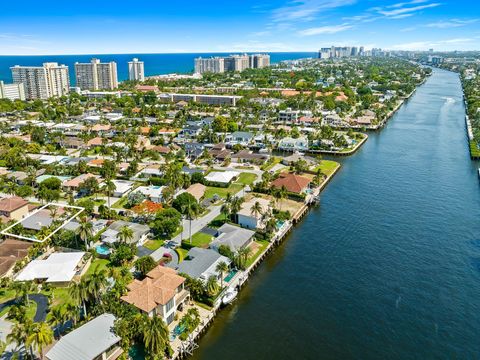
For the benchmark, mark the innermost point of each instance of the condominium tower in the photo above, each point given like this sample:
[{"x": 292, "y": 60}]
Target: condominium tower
[
  {"x": 231, "y": 63},
  {"x": 96, "y": 75},
  {"x": 12, "y": 91},
  {"x": 213, "y": 65},
  {"x": 42, "y": 82},
  {"x": 136, "y": 70}
]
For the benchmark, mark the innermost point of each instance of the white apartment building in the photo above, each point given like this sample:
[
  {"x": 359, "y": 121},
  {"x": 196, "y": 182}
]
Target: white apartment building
[
  {"x": 213, "y": 65},
  {"x": 136, "y": 71},
  {"x": 42, "y": 82},
  {"x": 259, "y": 61},
  {"x": 96, "y": 75},
  {"x": 12, "y": 91}
]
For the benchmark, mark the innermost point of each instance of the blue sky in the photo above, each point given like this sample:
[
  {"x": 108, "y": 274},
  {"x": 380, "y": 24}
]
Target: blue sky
[{"x": 159, "y": 26}]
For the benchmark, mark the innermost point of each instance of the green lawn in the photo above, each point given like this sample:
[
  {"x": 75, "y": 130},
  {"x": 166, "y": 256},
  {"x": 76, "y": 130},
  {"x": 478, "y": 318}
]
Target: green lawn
[
  {"x": 246, "y": 178},
  {"x": 222, "y": 192},
  {"x": 154, "y": 244},
  {"x": 271, "y": 163},
  {"x": 97, "y": 264},
  {"x": 199, "y": 239},
  {"x": 218, "y": 221},
  {"x": 182, "y": 253},
  {"x": 31, "y": 310},
  {"x": 327, "y": 167},
  {"x": 120, "y": 204},
  {"x": 263, "y": 245},
  {"x": 6, "y": 295}
]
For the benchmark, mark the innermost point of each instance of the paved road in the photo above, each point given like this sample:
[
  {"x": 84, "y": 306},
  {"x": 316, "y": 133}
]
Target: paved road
[{"x": 42, "y": 306}]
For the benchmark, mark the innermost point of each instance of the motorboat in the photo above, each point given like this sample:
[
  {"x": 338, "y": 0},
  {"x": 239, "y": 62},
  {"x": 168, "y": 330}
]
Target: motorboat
[{"x": 229, "y": 296}]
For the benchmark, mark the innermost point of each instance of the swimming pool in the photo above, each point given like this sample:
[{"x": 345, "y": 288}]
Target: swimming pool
[
  {"x": 102, "y": 250},
  {"x": 280, "y": 223},
  {"x": 230, "y": 275}
]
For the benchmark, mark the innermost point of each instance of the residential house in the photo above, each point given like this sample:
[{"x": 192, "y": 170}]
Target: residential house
[
  {"x": 239, "y": 138},
  {"x": 122, "y": 187},
  {"x": 152, "y": 192},
  {"x": 94, "y": 340},
  {"x": 11, "y": 251},
  {"x": 232, "y": 236},
  {"x": 193, "y": 150},
  {"x": 161, "y": 293},
  {"x": 74, "y": 184},
  {"x": 248, "y": 219},
  {"x": 244, "y": 156},
  {"x": 13, "y": 208},
  {"x": 57, "y": 268},
  {"x": 140, "y": 232},
  {"x": 292, "y": 182},
  {"x": 202, "y": 263},
  {"x": 222, "y": 177},
  {"x": 196, "y": 190},
  {"x": 291, "y": 144},
  {"x": 219, "y": 152}
]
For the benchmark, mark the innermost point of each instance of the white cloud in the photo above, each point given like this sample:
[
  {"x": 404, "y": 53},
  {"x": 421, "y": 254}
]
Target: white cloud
[
  {"x": 405, "y": 10},
  {"x": 329, "y": 29},
  {"x": 424, "y": 45},
  {"x": 306, "y": 9},
  {"x": 453, "y": 23}
]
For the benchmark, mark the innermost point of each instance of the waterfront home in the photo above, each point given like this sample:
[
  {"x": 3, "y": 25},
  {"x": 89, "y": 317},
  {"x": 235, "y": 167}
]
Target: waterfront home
[
  {"x": 122, "y": 187},
  {"x": 152, "y": 192},
  {"x": 57, "y": 268},
  {"x": 202, "y": 263},
  {"x": 250, "y": 220},
  {"x": 94, "y": 340},
  {"x": 232, "y": 236},
  {"x": 13, "y": 208},
  {"x": 222, "y": 177},
  {"x": 11, "y": 251},
  {"x": 161, "y": 293},
  {"x": 292, "y": 182},
  {"x": 291, "y": 116},
  {"x": 248, "y": 156},
  {"x": 239, "y": 137},
  {"x": 139, "y": 232},
  {"x": 291, "y": 144},
  {"x": 292, "y": 159}
]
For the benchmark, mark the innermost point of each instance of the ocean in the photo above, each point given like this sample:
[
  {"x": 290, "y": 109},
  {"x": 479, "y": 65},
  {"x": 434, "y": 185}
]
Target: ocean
[{"x": 155, "y": 64}]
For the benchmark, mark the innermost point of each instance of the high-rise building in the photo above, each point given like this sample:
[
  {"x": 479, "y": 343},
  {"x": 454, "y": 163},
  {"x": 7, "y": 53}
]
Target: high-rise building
[
  {"x": 96, "y": 75},
  {"x": 335, "y": 52},
  {"x": 12, "y": 91},
  {"x": 42, "y": 82},
  {"x": 136, "y": 70},
  {"x": 213, "y": 65},
  {"x": 259, "y": 61}
]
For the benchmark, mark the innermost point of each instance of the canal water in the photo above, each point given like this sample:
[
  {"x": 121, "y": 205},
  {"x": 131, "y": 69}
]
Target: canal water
[{"x": 388, "y": 266}]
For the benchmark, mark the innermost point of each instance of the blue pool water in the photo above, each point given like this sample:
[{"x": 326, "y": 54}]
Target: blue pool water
[
  {"x": 230, "y": 275},
  {"x": 102, "y": 250}
]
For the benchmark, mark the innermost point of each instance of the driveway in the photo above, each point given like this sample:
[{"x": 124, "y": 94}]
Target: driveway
[{"x": 42, "y": 306}]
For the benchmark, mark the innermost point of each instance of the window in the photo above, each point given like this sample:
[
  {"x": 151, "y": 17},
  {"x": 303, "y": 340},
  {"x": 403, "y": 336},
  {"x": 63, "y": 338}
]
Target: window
[{"x": 169, "y": 305}]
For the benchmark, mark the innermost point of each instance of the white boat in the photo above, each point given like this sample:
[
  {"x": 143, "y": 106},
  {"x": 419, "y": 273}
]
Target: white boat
[{"x": 229, "y": 296}]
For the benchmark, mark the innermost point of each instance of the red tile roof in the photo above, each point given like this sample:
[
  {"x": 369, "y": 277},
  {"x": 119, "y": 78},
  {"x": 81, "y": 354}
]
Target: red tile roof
[{"x": 291, "y": 182}]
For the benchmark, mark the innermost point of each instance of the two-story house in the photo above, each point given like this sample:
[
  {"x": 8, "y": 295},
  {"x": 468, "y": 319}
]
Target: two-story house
[{"x": 161, "y": 293}]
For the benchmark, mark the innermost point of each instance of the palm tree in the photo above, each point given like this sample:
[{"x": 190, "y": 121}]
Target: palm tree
[
  {"x": 40, "y": 336},
  {"x": 85, "y": 230},
  {"x": 79, "y": 293},
  {"x": 110, "y": 188},
  {"x": 155, "y": 335},
  {"x": 57, "y": 317},
  {"x": 222, "y": 268},
  {"x": 96, "y": 283},
  {"x": 225, "y": 210},
  {"x": 72, "y": 313},
  {"x": 212, "y": 285},
  {"x": 20, "y": 332},
  {"x": 242, "y": 256},
  {"x": 236, "y": 205},
  {"x": 10, "y": 188},
  {"x": 190, "y": 209},
  {"x": 125, "y": 234},
  {"x": 256, "y": 209}
]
